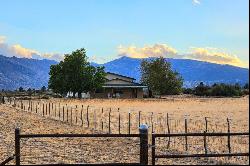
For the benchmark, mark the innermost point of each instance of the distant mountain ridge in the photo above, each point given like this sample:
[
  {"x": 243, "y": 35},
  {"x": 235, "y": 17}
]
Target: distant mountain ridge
[
  {"x": 32, "y": 73},
  {"x": 28, "y": 73},
  {"x": 192, "y": 71}
]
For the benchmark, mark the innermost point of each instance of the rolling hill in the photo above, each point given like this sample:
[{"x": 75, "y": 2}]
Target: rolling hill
[
  {"x": 32, "y": 73},
  {"x": 28, "y": 73}
]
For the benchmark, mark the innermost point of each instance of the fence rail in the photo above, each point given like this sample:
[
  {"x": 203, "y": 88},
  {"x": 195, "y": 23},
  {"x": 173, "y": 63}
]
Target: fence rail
[
  {"x": 204, "y": 135},
  {"x": 143, "y": 130}
]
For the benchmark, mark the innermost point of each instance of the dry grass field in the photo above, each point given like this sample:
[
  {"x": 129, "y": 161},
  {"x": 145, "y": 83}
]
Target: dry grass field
[{"x": 153, "y": 112}]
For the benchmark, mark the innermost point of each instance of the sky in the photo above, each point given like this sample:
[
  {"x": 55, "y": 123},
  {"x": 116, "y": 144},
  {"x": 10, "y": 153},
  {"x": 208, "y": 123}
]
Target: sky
[{"x": 208, "y": 30}]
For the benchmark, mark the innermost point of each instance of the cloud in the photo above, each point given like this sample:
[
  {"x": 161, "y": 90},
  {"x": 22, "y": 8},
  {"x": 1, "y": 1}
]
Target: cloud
[
  {"x": 207, "y": 54},
  {"x": 19, "y": 51},
  {"x": 196, "y": 2},
  {"x": 148, "y": 51},
  {"x": 214, "y": 55},
  {"x": 2, "y": 39}
]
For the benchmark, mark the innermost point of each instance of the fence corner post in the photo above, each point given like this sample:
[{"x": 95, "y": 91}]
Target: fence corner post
[
  {"x": 17, "y": 146},
  {"x": 143, "y": 130}
]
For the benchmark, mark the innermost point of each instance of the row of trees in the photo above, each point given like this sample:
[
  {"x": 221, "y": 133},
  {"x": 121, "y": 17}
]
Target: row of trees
[
  {"x": 75, "y": 74},
  {"x": 218, "y": 90},
  {"x": 21, "y": 89}
]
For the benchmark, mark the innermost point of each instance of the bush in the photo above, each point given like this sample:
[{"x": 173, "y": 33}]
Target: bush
[
  {"x": 188, "y": 91},
  {"x": 45, "y": 97},
  {"x": 219, "y": 90}
]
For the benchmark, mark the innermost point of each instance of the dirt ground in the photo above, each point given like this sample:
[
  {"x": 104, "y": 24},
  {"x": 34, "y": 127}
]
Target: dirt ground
[{"x": 96, "y": 150}]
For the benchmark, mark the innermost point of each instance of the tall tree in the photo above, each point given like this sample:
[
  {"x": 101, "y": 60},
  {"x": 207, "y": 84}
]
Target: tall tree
[
  {"x": 75, "y": 74},
  {"x": 96, "y": 78},
  {"x": 57, "y": 81},
  {"x": 74, "y": 66},
  {"x": 160, "y": 78}
]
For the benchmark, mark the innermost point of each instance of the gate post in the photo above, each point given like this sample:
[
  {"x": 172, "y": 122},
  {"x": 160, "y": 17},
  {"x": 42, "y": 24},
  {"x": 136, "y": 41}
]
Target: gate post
[
  {"x": 17, "y": 146},
  {"x": 143, "y": 130}
]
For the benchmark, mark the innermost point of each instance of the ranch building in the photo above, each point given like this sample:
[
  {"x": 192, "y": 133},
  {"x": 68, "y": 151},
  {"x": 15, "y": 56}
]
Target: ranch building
[
  {"x": 120, "y": 86},
  {"x": 117, "y": 86}
]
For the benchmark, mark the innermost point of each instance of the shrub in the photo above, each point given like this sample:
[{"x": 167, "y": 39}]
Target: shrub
[{"x": 219, "y": 90}]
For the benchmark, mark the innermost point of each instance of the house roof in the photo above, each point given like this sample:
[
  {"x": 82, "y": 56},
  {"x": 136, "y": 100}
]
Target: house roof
[
  {"x": 131, "y": 85},
  {"x": 122, "y": 80},
  {"x": 124, "y": 86},
  {"x": 120, "y": 75}
]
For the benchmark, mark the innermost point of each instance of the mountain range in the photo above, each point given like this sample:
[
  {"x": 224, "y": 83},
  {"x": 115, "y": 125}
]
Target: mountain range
[{"x": 32, "y": 73}]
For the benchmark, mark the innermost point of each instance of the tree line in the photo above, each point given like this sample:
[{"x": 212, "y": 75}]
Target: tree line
[{"x": 218, "y": 89}]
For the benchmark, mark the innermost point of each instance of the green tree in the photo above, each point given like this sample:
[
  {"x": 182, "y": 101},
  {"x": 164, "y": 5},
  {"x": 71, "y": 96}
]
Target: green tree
[
  {"x": 43, "y": 89},
  {"x": 246, "y": 86},
  {"x": 160, "y": 78},
  {"x": 203, "y": 90},
  {"x": 57, "y": 81},
  {"x": 75, "y": 74},
  {"x": 75, "y": 66},
  {"x": 21, "y": 89},
  {"x": 96, "y": 78}
]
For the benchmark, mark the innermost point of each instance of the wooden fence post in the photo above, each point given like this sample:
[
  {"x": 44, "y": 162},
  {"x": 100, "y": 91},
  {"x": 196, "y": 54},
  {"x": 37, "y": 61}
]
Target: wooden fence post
[
  {"x": 143, "y": 130},
  {"x": 17, "y": 146},
  {"x": 59, "y": 113},
  {"x": 43, "y": 109},
  {"x": 102, "y": 120},
  {"x": 168, "y": 127},
  {"x": 55, "y": 110},
  {"x": 31, "y": 107},
  {"x": 206, "y": 123},
  {"x": 186, "y": 144},
  {"x": 95, "y": 123},
  {"x": 49, "y": 109},
  {"x": 129, "y": 123},
  {"x": 59, "y": 106},
  {"x": 71, "y": 118},
  {"x": 76, "y": 114},
  {"x": 119, "y": 122},
  {"x": 63, "y": 113},
  {"x": 228, "y": 138},
  {"x": 109, "y": 121},
  {"x": 205, "y": 142},
  {"x": 87, "y": 116},
  {"x": 67, "y": 113},
  {"x": 152, "y": 123},
  {"x": 81, "y": 115},
  {"x": 139, "y": 118}
]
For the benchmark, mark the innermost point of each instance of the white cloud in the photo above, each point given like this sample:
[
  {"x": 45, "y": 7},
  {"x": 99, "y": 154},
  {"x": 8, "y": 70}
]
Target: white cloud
[
  {"x": 2, "y": 39},
  {"x": 208, "y": 54},
  {"x": 19, "y": 51},
  {"x": 156, "y": 50},
  {"x": 214, "y": 55},
  {"x": 196, "y": 2}
]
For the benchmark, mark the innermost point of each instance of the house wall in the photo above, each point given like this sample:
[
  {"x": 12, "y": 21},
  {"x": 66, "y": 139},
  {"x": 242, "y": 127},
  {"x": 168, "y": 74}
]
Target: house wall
[
  {"x": 126, "y": 93},
  {"x": 139, "y": 93}
]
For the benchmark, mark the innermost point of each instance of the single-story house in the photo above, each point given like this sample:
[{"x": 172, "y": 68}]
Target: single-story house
[
  {"x": 117, "y": 86},
  {"x": 120, "y": 86}
]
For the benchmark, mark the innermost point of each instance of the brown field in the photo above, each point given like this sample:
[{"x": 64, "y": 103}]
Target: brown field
[{"x": 89, "y": 150}]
